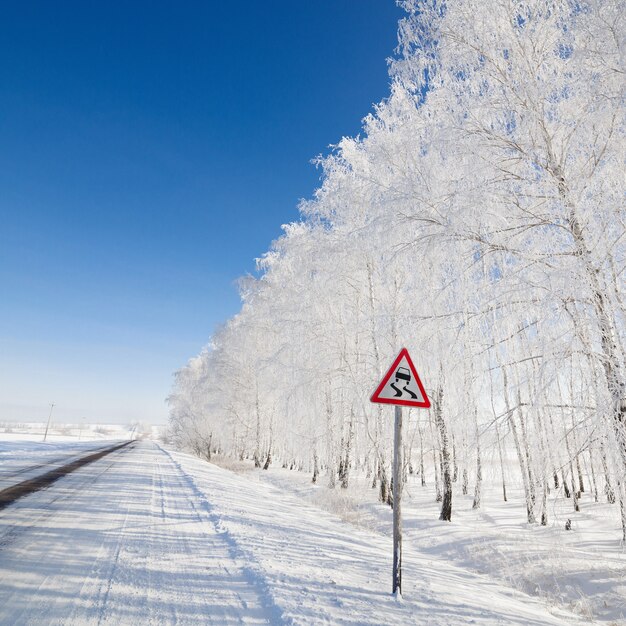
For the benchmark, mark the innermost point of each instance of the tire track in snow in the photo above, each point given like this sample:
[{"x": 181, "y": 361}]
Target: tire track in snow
[
  {"x": 37, "y": 520},
  {"x": 126, "y": 542},
  {"x": 123, "y": 574},
  {"x": 254, "y": 575},
  {"x": 170, "y": 565},
  {"x": 103, "y": 552},
  {"x": 100, "y": 590},
  {"x": 112, "y": 565},
  {"x": 253, "y": 579}
]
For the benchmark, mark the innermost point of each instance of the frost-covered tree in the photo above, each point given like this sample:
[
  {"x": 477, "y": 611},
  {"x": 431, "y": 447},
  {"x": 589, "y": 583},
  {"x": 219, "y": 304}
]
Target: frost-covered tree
[{"x": 478, "y": 220}]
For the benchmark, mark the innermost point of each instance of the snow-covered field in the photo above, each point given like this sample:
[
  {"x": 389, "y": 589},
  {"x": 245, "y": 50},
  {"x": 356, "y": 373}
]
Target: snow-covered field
[
  {"x": 150, "y": 536},
  {"x": 69, "y": 432}
]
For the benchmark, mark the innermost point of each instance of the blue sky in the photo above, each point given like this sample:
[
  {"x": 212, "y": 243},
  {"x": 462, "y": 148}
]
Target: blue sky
[{"x": 149, "y": 151}]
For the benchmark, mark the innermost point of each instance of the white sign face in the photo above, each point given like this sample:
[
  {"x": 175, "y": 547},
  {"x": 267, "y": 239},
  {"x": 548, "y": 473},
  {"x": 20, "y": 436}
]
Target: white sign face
[{"x": 401, "y": 384}]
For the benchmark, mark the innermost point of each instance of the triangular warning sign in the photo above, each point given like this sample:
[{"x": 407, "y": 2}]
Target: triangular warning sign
[{"x": 401, "y": 384}]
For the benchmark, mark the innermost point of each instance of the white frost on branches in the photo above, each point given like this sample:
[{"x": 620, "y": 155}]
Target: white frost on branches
[{"x": 479, "y": 221}]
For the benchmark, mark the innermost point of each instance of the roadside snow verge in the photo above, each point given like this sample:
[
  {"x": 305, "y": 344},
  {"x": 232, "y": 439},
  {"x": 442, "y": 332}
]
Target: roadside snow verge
[{"x": 316, "y": 569}]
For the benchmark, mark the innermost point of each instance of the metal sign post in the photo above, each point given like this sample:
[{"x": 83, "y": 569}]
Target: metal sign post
[
  {"x": 401, "y": 386},
  {"x": 397, "y": 499}
]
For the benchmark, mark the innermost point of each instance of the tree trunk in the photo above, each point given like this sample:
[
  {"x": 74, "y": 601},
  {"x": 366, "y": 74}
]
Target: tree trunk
[
  {"x": 575, "y": 493},
  {"x": 384, "y": 494},
  {"x": 530, "y": 514},
  {"x": 498, "y": 438},
  {"x": 436, "y": 465},
  {"x": 455, "y": 471},
  {"x": 375, "y": 474},
  {"x": 544, "y": 503},
  {"x": 268, "y": 459},
  {"x": 608, "y": 488},
  {"x": 566, "y": 490},
  {"x": 257, "y": 442},
  {"x": 526, "y": 447},
  {"x": 501, "y": 457},
  {"x": 622, "y": 507},
  {"x": 316, "y": 467},
  {"x": 446, "y": 506},
  {"x": 610, "y": 362},
  {"x": 330, "y": 442},
  {"x": 345, "y": 473},
  {"x": 591, "y": 471},
  {"x": 479, "y": 469}
]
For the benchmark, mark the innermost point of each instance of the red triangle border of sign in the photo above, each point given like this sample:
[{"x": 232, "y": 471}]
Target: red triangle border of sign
[{"x": 404, "y": 353}]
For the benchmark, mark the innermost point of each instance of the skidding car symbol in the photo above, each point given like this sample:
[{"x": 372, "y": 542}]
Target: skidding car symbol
[{"x": 402, "y": 373}]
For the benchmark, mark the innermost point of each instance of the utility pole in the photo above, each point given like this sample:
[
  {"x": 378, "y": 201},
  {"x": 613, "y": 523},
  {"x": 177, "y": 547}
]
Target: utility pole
[{"x": 48, "y": 424}]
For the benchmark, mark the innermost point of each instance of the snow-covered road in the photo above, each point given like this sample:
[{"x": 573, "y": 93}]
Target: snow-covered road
[
  {"x": 121, "y": 541},
  {"x": 145, "y": 536}
]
